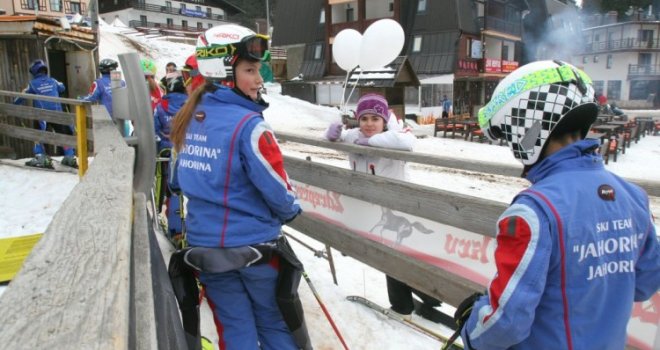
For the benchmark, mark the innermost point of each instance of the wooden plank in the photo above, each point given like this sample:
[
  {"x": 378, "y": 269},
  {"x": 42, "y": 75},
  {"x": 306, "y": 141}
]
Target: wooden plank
[
  {"x": 454, "y": 209},
  {"x": 69, "y": 101},
  {"x": 74, "y": 286},
  {"x": 651, "y": 187},
  {"x": 143, "y": 317},
  {"x": 77, "y": 275},
  {"x": 38, "y": 135},
  {"x": 432, "y": 280},
  {"x": 32, "y": 113}
]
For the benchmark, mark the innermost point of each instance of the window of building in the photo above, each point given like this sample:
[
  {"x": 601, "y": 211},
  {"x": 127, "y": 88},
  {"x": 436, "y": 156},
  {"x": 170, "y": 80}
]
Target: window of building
[
  {"x": 639, "y": 89},
  {"x": 644, "y": 59},
  {"x": 183, "y": 7},
  {"x": 350, "y": 14},
  {"x": 505, "y": 52},
  {"x": 56, "y": 5},
  {"x": 598, "y": 86},
  {"x": 198, "y": 8},
  {"x": 74, "y": 7},
  {"x": 168, "y": 5},
  {"x": 417, "y": 43},
  {"x": 391, "y": 7},
  {"x": 170, "y": 22},
  {"x": 322, "y": 19},
  {"x": 317, "y": 51},
  {"x": 210, "y": 25},
  {"x": 585, "y": 59},
  {"x": 209, "y": 12},
  {"x": 184, "y": 24},
  {"x": 609, "y": 62},
  {"x": 421, "y": 6},
  {"x": 143, "y": 20},
  {"x": 613, "y": 89},
  {"x": 28, "y": 5},
  {"x": 645, "y": 35},
  {"x": 596, "y": 59},
  {"x": 200, "y": 25}
]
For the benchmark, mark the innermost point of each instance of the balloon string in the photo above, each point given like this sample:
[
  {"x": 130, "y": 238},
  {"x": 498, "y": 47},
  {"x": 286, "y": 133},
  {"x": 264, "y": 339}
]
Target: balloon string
[
  {"x": 354, "y": 86},
  {"x": 343, "y": 93}
]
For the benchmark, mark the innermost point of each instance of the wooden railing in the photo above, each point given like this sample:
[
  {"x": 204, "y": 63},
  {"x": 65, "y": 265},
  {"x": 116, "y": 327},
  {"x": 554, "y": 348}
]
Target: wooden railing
[{"x": 26, "y": 114}]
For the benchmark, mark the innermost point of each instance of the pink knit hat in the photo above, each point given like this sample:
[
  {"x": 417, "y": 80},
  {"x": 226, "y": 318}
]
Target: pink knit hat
[{"x": 373, "y": 104}]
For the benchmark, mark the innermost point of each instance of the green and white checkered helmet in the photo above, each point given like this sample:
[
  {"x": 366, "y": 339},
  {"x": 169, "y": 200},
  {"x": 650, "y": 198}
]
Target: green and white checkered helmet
[{"x": 528, "y": 104}]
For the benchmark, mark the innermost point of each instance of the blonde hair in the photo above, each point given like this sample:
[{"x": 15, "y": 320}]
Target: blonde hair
[{"x": 182, "y": 118}]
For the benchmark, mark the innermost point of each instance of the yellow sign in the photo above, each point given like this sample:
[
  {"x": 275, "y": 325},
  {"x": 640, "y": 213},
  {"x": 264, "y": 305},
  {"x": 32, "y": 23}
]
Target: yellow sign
[{"x": 13, "y": 251}]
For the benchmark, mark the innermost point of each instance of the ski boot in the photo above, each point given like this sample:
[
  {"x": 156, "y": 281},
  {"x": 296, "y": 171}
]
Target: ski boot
[
  {"x": 70, "y": 161},
  {"x": 40, "y": 161}
]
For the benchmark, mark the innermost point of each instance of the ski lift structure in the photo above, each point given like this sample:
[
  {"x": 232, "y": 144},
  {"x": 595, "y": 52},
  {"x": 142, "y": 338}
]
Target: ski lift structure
[{"x": 389, "y": 81}]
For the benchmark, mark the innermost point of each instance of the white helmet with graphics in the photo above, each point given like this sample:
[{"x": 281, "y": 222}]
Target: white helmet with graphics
[
  {"x": 529, "y": 104},
  {"x": 219, "y": 48}
]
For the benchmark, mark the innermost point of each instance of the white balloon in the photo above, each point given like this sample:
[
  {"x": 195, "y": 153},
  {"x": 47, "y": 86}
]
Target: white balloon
[
  {"x": 346, "y": 48},
  {"x": 381, "y": 44}
]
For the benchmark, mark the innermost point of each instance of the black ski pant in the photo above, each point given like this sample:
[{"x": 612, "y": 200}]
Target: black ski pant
[{"x": 401, "y": 299}]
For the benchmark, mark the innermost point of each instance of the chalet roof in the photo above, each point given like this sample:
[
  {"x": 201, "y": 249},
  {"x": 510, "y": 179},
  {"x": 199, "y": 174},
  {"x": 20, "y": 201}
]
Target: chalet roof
[
  {"x": 45, "y": 27},
  {"x": 229, "y": 8},
  {"x": 297, "y": 22},
  {"x": 397, "y": 73}
]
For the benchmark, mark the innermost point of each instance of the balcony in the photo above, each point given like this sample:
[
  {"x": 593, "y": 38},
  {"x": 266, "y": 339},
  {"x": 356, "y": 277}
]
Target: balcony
[
  {"x": 645, "y": 70},
  {"x": 175, "y": 11},
  {"x": 621, "y": 45},
  {"x": 499, "y": 25},
  {"x": 360, "y": 26},
  {"x": 164, "y": 27}
]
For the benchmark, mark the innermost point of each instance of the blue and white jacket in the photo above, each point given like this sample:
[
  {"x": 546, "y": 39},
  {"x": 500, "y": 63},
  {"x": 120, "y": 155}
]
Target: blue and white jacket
[
  {"x": 573, "y": 253},
  {"x": 231, "y": 169},
  {"x": 168, "y": 107},
  {"x": 101, "y": 91},
  {"x": 44, "y": 85}
]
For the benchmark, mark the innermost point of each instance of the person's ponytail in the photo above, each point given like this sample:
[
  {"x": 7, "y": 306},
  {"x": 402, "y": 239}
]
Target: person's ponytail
[{"x": 182, "y": 118}]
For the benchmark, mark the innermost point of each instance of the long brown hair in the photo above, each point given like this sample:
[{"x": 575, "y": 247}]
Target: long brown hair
[{"x": 182, "y": 118}]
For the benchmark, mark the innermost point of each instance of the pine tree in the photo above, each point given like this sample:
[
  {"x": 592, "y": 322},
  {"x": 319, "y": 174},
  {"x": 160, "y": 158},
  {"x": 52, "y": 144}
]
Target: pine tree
[{"x": 620, "y": 6}]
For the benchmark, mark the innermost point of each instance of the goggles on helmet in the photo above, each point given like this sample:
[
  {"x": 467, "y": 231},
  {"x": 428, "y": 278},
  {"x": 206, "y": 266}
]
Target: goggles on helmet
[
  {"x": 188, "y": 74},
  {"x": 254, "y": 47},
  {"x": 562, "y": 74}
]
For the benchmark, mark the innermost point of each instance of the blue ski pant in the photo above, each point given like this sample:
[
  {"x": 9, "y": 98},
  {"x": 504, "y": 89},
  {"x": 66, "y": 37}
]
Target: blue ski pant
[
  {"x": 39, "y": 148},
  {"x": 245, "y": 309}
]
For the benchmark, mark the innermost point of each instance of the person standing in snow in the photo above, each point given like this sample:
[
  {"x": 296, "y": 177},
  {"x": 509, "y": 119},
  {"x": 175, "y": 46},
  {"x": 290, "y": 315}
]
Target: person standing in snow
[
  {"x": 44, "y": 85},
  {"x": 577, "y": 248},
  {"x": 374, "y": 123},
  {"x": 155, "y": 93},
  {"x": 230, "y": 168},
  {"x": 446, "y": 106},
  {"x": 170, "y": 72},
  {"x": 168, "y": 107},
  {"x": 101, "y": 89}
]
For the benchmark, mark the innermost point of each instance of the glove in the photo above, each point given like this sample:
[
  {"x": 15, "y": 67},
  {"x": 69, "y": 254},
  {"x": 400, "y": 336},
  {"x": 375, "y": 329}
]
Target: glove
[
  {"x": 362, "y": 141},
  {"x": 334, "y": 131},
  {"x": 464, "y": 310}
]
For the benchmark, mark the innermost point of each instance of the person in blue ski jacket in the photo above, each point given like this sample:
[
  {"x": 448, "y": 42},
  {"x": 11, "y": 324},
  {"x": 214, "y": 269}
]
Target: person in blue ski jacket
[
  {"x": 165, "y": 111},
  {"x": 101, "y": 90},
  {"x": 230, "y": 168},
  {"x": 577, "y": 248},
  {"x": 44, "y": 85}
]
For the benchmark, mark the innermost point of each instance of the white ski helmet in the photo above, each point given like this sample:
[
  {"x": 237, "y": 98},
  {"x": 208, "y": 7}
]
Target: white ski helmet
[
  {"x": 219, "y": 47},
  {"x": 528, "y": 104}
]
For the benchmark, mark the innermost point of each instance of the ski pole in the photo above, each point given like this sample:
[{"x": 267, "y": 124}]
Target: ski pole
[
  {"x": 325, "y": 311},
  {"x": 452, "y": 339}
]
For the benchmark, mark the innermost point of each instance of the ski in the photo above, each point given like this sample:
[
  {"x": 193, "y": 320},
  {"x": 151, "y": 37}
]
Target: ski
[{"x": 409, "y": 323}]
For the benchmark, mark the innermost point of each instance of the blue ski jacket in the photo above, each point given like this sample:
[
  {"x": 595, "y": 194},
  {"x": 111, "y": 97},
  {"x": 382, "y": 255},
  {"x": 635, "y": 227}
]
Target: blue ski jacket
[
  {"x": 231, "y": 170},
  {"x": 101, "y": 91},
  {"x": 574, "y": 252},
  {"x": 168, "y": 107},
  {"x": 44, "y": 85}
]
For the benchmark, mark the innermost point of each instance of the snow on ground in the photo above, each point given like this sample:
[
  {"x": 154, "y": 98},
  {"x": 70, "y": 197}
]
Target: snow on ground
[{"x": 31, "y": 198}]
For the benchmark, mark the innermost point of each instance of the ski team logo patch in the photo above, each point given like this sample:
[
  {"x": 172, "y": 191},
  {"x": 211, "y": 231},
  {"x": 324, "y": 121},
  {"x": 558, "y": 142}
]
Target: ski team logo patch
[
  {"x": 200, "y": 116},
  {"x": 606, "y": 192}
]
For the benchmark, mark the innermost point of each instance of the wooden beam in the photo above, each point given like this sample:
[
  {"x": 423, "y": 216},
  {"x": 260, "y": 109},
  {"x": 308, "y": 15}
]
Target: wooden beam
[
  {"x": 454, "y": 209},
  {"x": 50, "y": 138},
  {"x": 429, "y": 279},
  {"x": 32, "y": 113},
  {"x": 652, "y": 188}
]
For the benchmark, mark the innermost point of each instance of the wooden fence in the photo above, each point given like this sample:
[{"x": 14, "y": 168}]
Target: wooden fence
[
  {"x": 16, "y": 122},
  {"x": 94, "y": 278}
]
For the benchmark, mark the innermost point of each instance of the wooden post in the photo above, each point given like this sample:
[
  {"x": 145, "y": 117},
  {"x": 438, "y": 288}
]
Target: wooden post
[{"x": 81, "y": 137}]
